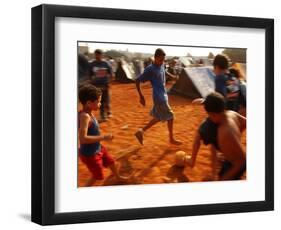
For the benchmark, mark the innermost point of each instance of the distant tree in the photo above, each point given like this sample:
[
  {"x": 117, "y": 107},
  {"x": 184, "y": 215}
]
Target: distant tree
[
  {"x": 211, "y": 55},
  {"x": 236, "y": 55}
]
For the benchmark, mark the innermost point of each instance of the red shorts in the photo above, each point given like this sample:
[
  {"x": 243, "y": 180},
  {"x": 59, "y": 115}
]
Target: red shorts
[{"x": 96, "y": 162}]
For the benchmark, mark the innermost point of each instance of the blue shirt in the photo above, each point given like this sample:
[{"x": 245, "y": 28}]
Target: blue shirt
[
  {"x": 94, "y": 148},
  {"x": 220, "y": 84},
  {"x": 226, "y": 85},
  {"x": 101, "y": 72},
  {"x": 156, "y": 75}
]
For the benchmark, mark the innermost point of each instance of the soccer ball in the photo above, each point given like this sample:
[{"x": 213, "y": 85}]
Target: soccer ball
[{"x": 181, "y": 158}]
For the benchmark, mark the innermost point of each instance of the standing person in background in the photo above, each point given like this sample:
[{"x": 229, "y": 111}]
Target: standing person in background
[
  {"x": 101, "y": 76},
  {"x": 172, "y": 71},
  {"x": 235, "y": 70},
  {"x": 83, "y": 68},
  {"x": 225, "y": 83}
]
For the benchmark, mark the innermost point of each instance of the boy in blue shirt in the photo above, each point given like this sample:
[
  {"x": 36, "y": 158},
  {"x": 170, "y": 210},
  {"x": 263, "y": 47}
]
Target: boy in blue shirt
[
  {"x": 161, "y": 111},
  {"x": 91, "y": 152},
  {"x": 225, "y": 83}
]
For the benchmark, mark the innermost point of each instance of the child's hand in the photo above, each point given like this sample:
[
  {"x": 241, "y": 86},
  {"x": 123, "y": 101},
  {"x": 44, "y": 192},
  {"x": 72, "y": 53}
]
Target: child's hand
[{"x": 108, "y": 137}]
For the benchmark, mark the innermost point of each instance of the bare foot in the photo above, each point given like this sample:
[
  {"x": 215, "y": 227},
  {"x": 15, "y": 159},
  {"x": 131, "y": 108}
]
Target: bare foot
[
  {"x": 139, "y": 136},
  {"x": 175, "y": 142}
]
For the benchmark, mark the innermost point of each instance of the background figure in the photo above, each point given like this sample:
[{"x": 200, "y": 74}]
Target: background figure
[
  {"x": 83, "y": 68},
  {"x": 101, "y": 76},
  {"x": 148, "y": 61},
  {"x": 171, "y": 71},
  {"x": 235, "y": 70},
  {"x": 226, "y": 84}
]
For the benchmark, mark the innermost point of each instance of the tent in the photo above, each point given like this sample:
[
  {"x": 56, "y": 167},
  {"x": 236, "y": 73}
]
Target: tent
[
  {"x": 125, "y": 73},
  {"x": 185, "y": 61},
  {"x": 194, "y": 82},
  {"x": 138, "y": 66}
]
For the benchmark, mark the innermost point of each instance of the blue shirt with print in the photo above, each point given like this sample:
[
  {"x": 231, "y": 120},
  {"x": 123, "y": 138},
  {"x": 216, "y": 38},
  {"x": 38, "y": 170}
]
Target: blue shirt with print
[
  {"x": 156, "y": 75},
  {"x": 101, "y": 72}
]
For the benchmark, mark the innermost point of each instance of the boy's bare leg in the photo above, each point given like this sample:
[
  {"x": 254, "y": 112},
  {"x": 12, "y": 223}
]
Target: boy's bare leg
[
  {"x": 139, "y": 133},
  {"x": 171, "y": 135}
]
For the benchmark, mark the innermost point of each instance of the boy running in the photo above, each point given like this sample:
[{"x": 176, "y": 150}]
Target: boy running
[{"x": 161, "y": 110}]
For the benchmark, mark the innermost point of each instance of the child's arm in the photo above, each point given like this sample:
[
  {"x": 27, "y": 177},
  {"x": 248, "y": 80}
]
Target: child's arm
[
  {"x": 195, "y": 148},
  {"x": 142, "y": 100},
  {"x": 86, "y": 139},
  {"x": 145, "y": 76}
]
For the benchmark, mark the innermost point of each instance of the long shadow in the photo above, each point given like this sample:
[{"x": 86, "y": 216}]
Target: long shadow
[
  {"x": 125, "y": 169},
  {"x": 147, "y": 170}
]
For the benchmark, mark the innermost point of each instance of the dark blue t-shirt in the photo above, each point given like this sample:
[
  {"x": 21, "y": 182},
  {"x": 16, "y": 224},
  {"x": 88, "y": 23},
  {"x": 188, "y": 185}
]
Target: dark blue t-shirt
[
  {"x": 101, "y": 72},
  {"x": 220, "y": 84},
  {"x": 94, "y": 148},
  {"x": 228, "y": 86},
  {"x": 156, "y": 75}
]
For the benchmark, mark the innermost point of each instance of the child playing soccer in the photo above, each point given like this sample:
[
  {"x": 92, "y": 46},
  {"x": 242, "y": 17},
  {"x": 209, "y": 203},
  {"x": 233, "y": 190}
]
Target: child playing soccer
[
  {"x": 161, "y": 111},
  {"x": 91, "y": 152},
  {"x": 222, "y": 129}
]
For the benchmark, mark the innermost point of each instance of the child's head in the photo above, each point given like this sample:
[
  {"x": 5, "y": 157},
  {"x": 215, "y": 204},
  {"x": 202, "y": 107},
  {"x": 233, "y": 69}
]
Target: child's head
[
  {"x": 214, "y": 105},
  {"x": 159, "y": 56},
  {"x": 220, "y": 63},
  {"x": 98, "y": 54},
  {"x": 90, "y": 96},
  {"x": 236, "y": 71}
]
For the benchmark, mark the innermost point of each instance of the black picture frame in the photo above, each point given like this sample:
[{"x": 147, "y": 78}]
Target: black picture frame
[{"x": 43, "y": 110}]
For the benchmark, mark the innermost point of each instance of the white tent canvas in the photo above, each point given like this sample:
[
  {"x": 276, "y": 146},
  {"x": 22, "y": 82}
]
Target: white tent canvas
[{"x": 194, "y": 82}]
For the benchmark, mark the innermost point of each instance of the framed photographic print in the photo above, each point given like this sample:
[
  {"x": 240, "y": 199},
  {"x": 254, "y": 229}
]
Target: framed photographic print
[{"x": 145, "y": 114}]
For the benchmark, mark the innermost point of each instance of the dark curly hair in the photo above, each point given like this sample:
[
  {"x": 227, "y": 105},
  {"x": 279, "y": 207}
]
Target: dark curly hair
[
  {"x": 222, "y": 61},
  {"x": 214, "y": 103},
  {"x": 88, "y": 92}
]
